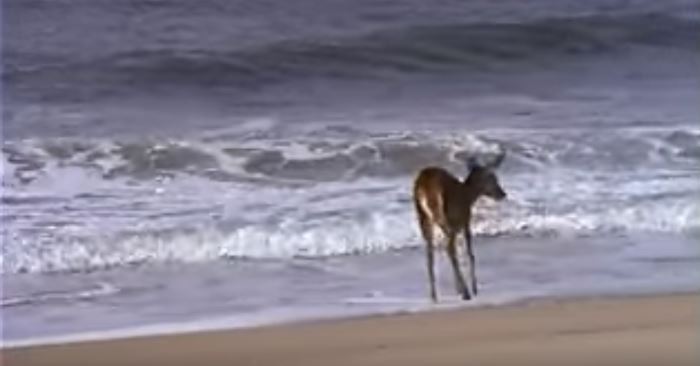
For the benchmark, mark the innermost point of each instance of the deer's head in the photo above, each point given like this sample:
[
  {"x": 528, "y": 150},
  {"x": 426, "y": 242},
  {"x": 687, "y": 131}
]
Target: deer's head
[{"x": 482, "y": 178}]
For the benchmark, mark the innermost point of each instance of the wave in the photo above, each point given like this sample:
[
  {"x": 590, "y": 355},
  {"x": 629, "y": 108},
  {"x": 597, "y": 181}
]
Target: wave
[
  {"x": 376, "y": 232},
  {"x": 83, "y": 204},
  {"x": 100, "y": 290},
  {"x": 340, "y": 154},
  {"x": 287, "y": 158},
  {"x": 381, "y": 54}
]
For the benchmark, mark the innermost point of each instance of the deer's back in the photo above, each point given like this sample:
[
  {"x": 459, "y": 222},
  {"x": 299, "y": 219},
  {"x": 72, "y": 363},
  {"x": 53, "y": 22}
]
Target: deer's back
[
  {"x": 433, "y": 191},
  {"x": 436, "y": 179}
]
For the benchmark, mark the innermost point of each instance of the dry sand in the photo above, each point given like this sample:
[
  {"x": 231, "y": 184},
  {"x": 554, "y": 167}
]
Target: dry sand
[{"x": 655, "y": 330}]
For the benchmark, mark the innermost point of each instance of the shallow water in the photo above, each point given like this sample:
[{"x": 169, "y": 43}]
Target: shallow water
[{"x": 241, "y": 293}]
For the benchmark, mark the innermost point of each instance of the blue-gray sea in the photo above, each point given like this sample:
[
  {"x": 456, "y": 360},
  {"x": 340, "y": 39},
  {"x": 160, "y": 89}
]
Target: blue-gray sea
[{"x": 174, "y": 164}]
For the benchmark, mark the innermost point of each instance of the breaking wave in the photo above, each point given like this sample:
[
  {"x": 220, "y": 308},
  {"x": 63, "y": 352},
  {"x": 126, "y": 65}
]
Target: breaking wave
[
  {"x": 75, "y": 205},
  {"x": 339, "y": 154},
  {"x": 379, "y": 232}
]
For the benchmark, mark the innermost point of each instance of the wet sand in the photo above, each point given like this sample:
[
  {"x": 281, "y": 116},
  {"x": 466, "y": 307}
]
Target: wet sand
[{"x": 650, "y": 330}]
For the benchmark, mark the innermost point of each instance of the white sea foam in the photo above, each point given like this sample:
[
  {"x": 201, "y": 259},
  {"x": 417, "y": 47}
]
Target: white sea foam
[
  {"x": 70, "y": 217},
  {"x": 375, "y": 232}
]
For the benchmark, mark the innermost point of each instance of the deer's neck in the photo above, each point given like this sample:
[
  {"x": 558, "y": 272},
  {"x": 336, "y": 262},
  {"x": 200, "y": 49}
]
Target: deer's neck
[{"x": 470, "y": 193}]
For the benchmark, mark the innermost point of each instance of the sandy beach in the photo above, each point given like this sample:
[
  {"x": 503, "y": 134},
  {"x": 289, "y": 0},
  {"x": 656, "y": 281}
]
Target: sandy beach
[{"x": 650, "y": 330}]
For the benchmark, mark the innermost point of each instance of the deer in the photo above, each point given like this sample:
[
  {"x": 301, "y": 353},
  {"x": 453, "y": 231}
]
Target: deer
[{"x": 443, "y": 201}]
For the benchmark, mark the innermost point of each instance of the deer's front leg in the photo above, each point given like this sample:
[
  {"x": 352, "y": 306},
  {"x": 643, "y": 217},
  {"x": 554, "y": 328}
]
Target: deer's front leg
[
  {"x": 459, "y": 279},
  {"x": 429, "y": 253},
  {"x": 472, "y": 261}
]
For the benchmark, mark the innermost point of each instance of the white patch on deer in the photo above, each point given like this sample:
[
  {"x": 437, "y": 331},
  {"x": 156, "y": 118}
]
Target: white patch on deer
[{"x": 424, "y": 203}]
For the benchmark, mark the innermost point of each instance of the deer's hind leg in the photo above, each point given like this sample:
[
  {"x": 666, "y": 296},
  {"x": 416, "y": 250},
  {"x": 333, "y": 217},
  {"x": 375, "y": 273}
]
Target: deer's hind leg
[{"x": 426, "y": 228}]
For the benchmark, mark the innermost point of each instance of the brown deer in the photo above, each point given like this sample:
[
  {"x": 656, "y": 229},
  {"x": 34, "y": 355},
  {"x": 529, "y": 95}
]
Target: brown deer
[{"x": 442, "y": 200}]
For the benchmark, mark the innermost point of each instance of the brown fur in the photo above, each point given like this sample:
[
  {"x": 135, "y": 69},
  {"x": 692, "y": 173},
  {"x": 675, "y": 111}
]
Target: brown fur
[{"x": 442, "y": 200}]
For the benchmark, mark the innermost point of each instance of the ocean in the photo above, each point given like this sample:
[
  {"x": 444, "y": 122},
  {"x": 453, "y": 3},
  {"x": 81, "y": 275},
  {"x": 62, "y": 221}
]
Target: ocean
[{"x": 171, "y": 165}]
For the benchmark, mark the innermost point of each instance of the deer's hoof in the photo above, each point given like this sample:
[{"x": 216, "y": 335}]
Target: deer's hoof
[{"x": 466, "y": 296}]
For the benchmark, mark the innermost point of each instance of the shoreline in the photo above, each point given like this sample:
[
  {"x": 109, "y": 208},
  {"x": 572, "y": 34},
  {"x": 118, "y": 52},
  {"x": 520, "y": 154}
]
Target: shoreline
[
  {"x": 638, "y": 328},
  {"x": 234, "y": 323}
]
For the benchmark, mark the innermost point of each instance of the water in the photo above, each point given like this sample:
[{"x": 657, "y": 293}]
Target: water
[{"x": 171, "y": 162}]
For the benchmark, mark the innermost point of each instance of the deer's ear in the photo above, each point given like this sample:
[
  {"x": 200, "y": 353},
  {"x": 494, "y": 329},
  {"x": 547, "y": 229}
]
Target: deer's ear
[
  {"x": 497, "y": 160},
  {"x": 472, "y": 163}
]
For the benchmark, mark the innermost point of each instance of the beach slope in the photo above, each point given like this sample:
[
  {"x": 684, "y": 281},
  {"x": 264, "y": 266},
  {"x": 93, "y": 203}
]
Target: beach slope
[{"x": 650, "y": 330}]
